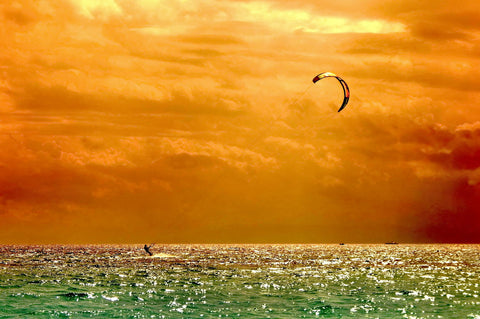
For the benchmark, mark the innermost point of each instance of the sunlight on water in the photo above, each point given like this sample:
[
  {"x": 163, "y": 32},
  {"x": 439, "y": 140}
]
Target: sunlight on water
[{"x": 257, "y": 281}]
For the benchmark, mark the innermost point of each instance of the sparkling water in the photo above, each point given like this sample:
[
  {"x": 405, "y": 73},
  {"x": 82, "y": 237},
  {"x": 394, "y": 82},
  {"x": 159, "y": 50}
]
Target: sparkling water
[{"x": 240, "y": 281}]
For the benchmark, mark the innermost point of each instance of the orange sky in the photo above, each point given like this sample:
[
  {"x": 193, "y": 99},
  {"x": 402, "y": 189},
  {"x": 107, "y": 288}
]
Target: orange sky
[{"x": 129, "y": 121}]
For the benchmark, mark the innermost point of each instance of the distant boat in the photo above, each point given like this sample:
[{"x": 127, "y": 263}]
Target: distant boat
[
  {"x": 342, "y": 244},
  {"x": 391, "y": 243}
]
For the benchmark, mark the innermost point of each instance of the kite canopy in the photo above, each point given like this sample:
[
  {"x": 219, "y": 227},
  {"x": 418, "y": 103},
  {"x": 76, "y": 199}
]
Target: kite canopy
[{"x": 346, "y": 90}]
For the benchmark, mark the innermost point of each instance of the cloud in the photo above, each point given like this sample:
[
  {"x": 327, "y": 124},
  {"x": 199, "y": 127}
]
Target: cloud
[
  {"x": 98, "y": 10},
  {"x": 459, "y": 150},
  {"x": 39, "y": 98},
  {"x": 20, "y": 14},
  {"x": 199, "y": 118},
  {"x": 210, "y": 39}
]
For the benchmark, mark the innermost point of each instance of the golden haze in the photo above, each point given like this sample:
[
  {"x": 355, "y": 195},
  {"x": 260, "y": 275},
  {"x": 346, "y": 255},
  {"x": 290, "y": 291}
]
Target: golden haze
[{"x": 184, "y": 121}]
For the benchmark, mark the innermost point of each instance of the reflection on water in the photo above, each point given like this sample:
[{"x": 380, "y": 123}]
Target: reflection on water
[{"x": 258, "y": 281}]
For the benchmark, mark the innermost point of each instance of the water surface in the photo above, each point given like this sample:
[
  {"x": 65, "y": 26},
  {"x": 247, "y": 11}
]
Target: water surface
[{"x": 240, "y": 281}]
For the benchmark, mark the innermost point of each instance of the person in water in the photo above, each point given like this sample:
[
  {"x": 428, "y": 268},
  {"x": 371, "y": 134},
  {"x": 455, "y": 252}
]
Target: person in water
[{"x": 147, "y": 249}]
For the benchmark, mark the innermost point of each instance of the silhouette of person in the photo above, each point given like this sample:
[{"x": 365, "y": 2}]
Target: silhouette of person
[{"x": 147, "y": 249}]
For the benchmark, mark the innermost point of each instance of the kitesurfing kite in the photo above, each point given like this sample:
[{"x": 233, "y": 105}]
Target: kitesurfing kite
[{"x": 346, "y": 91}]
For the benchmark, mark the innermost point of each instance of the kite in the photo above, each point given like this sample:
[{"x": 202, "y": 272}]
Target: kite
[{"x": 346, "y": 90}]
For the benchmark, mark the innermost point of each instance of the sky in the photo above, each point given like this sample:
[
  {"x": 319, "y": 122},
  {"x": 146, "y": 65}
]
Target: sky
[{"x": 196, "y": 121}]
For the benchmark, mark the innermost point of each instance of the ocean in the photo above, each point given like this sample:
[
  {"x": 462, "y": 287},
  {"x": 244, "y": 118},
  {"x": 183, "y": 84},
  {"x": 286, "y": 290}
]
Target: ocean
[{"x": 240, "y": 281}]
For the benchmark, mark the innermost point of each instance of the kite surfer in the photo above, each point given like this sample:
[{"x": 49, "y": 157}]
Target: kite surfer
[{"x": 147, "y": 249}]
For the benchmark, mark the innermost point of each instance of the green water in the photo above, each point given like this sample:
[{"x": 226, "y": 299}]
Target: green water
[{"x": 240, "y": 281}]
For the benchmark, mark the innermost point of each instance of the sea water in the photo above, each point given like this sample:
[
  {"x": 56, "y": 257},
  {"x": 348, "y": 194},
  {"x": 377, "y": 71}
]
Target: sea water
[{"x": 240, "y": 281}]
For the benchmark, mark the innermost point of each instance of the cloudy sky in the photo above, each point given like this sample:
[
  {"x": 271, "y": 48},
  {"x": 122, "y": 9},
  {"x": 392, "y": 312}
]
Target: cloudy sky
[{"x": 131, "y": 121}]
